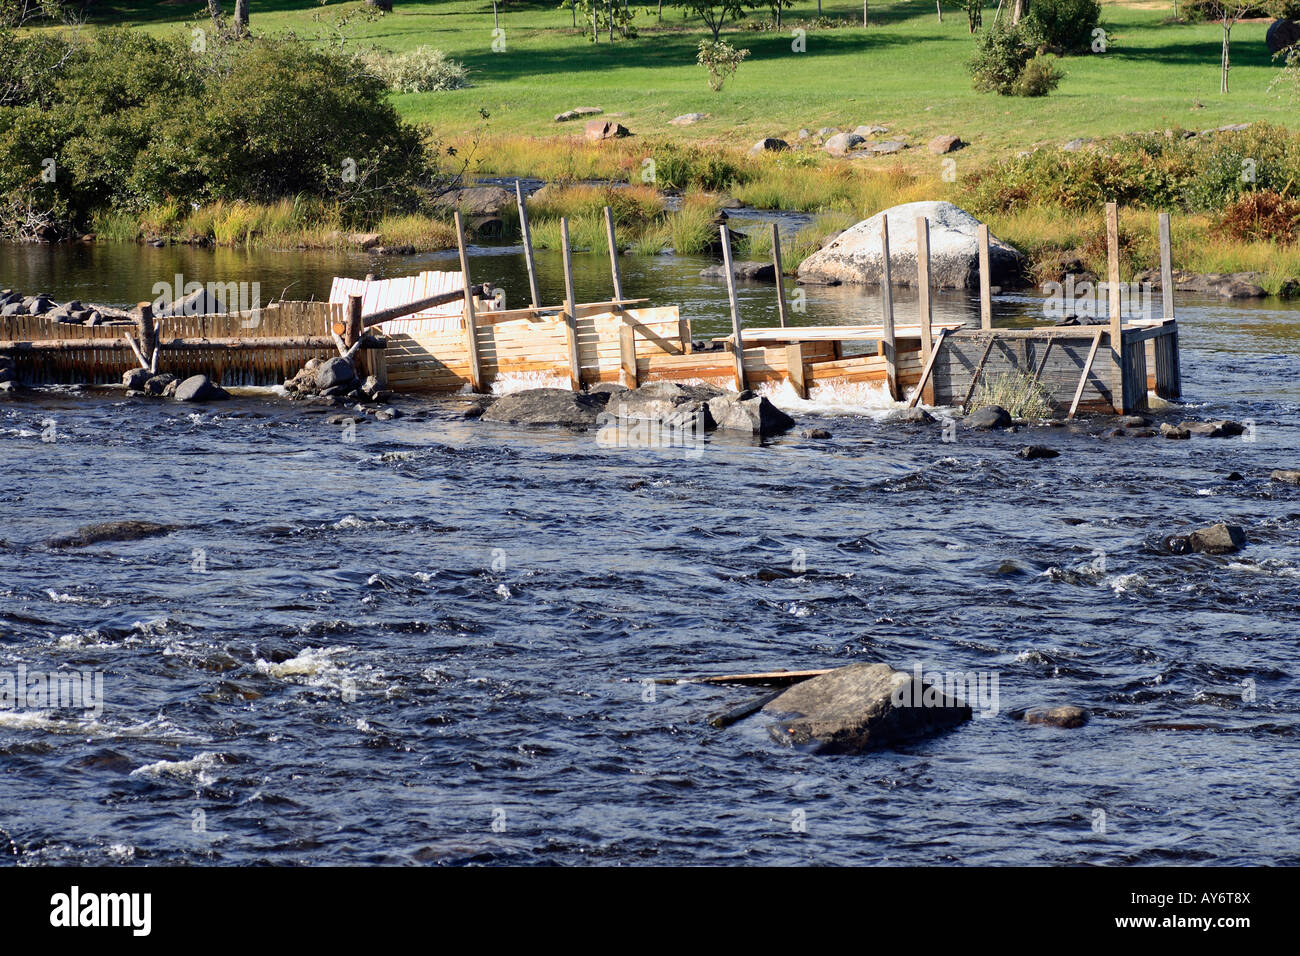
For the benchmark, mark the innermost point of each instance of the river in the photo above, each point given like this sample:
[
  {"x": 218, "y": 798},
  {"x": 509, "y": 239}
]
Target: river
[{"x": 430, "y": 645}]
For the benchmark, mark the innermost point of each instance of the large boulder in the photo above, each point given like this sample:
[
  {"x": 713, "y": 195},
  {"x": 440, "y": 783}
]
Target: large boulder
[
  {"x": 841, "y": 144},
  {"x": 598, "y": 130},
  {"x": 746, "y": 271},
  {"x": 578, "y": 112},
  {"x": 1281, "y": 34},
  {"x": 855, "y": 255},
  {"x": 749, "y": 414},
  {"x": 335, "y": 372},
  {"x": 135, "y": 378},
  {"x": 989, "y": 416},
  {"x": 547, "y": 406},
  {"x": 669, "y": 403},
  {"x": 110, "y": 531},
  {"x": 199, "y": 388},
  {"x": 769, "y": 144},
  {"x": 861, "y": 707},
  {"x": 483, "y": 201}
]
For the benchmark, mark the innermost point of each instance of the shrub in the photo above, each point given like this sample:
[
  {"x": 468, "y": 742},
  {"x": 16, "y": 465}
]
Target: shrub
[
  {"x": 1063, "y": 25},
  {"x": 422, "y": 70},
  {"x": 1039, "y": 77},
  {"x": 696, "y": 167},
  {"x": 1261, "y": 217},
  {"x": 1017, "y": 392},
  {"x": 1000, "y": 57},
  {"x": 721, "y": 59}
]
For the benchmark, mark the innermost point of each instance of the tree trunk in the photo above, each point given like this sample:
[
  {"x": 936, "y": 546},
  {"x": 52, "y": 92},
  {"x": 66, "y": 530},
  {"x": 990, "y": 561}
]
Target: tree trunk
[
  {"x": 1020, "y": 8},
  {"x": 864, "y": 12},
  {"x": 1227, "y": 31},
  {"x": 215, "y": 11},
  {"x": 241, "y": 17},
  {"x": 609, "y": 12},
  {"x": 939, "y": 9},
  {"x": 660, "y": 12},
  {"x": 496, "y": 22}
]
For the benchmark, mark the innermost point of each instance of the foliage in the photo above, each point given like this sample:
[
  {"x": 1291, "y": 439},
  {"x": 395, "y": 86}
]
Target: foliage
[
  {"x": 1000, "y": 57},
  {"x": 1065, "y": 26},
  {"x": 1039, "y": 77},
  {"x": 721, "y": 59},
  {"x": 1261, "y": 217},
  {"x": 124, "y": 121},
  {"x": 1017, "y": 392},
  {"x": 714, "y": 13},
  {"x": 422, "y": 70}
]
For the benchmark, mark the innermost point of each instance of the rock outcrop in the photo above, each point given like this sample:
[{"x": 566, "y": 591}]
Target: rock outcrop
[
  {"x": 861, "y": 707},
  {"x": 855, "y": 256}
]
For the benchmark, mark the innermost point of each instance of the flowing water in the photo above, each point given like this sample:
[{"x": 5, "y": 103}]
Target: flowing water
[{"x": 429, "y": 645}]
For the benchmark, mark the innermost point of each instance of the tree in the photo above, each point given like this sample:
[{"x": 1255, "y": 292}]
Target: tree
[
  {"x": 241, "y": 17},
  {"x": 776, "y": 6},
  {"x": 714, "y": 13},
  {"x": 1231, "y": 14},
  {"x": 215, "y": 11},
  {"x": 1020, "y": 8}
]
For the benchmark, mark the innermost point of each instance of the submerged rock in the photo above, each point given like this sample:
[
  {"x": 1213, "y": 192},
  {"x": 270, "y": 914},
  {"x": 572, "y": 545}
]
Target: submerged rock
[
  {"x": 1061, "y": 715},
  {"x": 747, "y": 271},
  {"x": 110, "y": 531},
  {"x": 1286, "y": 476},
  {"x": 199, "y": 388},
  {"x": 546, "y": 406},
  {"x": 1031, "y": 452},
  {"x": 860, "y": 707},
  {"x": 914, "y": 416},
  {"x": 1176, "y": 432},
  {"x": 990, "y": 416},
  {"x": 815, "y": 433},
  {"x": 855, "y": 256},
  {"x": 755, "y": 416},
  {"x": 1220, "y": 538}
]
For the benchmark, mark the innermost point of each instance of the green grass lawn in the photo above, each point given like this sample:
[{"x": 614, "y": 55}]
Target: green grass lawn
[{"x": 906, "y": 71}]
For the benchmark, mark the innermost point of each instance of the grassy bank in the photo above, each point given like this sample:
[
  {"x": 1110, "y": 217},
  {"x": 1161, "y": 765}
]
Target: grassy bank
[{"x": 905, "y": 71}]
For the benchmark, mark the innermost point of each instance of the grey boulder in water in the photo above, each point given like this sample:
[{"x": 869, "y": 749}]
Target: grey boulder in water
[
  {"x": 856, "y": 256},
  {"x": 861, "y": 707}
]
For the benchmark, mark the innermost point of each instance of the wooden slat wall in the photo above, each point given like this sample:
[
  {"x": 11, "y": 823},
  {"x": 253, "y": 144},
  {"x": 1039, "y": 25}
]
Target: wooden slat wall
[
  {"x": 379, "y": 294},
  {"x": 254, "y": 365}
]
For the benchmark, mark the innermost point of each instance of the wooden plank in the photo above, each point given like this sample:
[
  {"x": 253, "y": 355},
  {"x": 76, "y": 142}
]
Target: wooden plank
[
  {"x": 1042, "y": 362},
  {"x": 887, "y": 341},
  {"x": 1087, "y": 367},
  {"x": 795, "y": 370},
  {"x": 613, "y": 254},
  {"x": 737, "y": 341},
  {"x": 570, "y": 310},
  {"x": 1166, "y": 269},
  {"x": 471, "y": 337},
  {"x": 925, "y": 318},
  {"x": 528, "y": 247},
  {"x": 986, "y": 293},
  {"x": 927, "y": 371},
  {"x": 1119, "y": 399},
  {"x": 627, "y": 356},
  {"x": 975, "y": 377},
  {"x": 780, "y": 276}
]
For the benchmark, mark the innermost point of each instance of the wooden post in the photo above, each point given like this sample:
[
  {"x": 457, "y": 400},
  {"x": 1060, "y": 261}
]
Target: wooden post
[
  {"x": 148, "y": 335},
  {"x": 1118, "y": 399},
  {"x": 794, "y": 369},
  {"x": 986, "y": 292},
  {"x": 780, "y": 275},
  {"x": 737, "y": 340},
  {"x": 354, "y": 327},
  {"x": 570, "y": 310},
  {"x": 887, "y": 309},
  {"x": 613, "y": 257},
  {"x": 471, "y": 327},
  {"x": 528, "y": 247},
  {"x": 627, "y": 356},
  {"x": 1087, "y": 367},
  {"x": 926, "y": 306},
  {"x": 1166, "y": 269}
]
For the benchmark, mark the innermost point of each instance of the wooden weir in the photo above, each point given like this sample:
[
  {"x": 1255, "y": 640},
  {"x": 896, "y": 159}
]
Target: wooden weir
[{"x": 439, "y": 332}]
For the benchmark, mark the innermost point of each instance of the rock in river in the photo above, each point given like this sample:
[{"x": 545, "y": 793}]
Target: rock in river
[
  {"x": 860, "y": 707},
  {"x": 110, "y": 531},
  {"x": 855, "y": 255},
  {"x": 1062, "y": 715},
  {"x": 1220, "y": 538},
  {"x": 990, "y": 416},
  {"x": 198, "y": 388},
  {"x": 1286, "y": 476},
  {"x": 547, "y": 406}
]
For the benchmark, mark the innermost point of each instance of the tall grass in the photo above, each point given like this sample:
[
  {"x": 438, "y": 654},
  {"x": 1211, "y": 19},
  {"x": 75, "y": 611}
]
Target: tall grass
[{"x": 1017, "y": 392}]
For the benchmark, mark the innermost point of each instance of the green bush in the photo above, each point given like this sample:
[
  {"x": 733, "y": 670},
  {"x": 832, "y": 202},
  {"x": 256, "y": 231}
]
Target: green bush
[
  {"x": 696, "y": 167},
  {"x": 1039, "y": 77},
  {"x": 1000, "y": 58},
  {"x": 1195, "y": 173},
  {"x": 1063, "y": 25},
  {"x": 132, "y": 122},
  {"x": 422, "y": 70}
]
